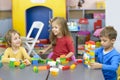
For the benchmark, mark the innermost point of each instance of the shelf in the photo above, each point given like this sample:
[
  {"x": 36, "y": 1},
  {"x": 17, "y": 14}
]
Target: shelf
[
  {"x": 77, "y": 13},
  {"x": 72, "y": 9}
]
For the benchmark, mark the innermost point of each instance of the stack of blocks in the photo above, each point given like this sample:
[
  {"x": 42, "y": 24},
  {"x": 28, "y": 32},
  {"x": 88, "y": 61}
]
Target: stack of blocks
[{"x": 89, "y": 55}]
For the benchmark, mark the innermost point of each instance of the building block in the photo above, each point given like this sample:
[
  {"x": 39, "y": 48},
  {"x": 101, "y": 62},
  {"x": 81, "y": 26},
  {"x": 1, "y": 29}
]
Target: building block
[
  {"x": 22, "y": 66},
  {"x": 1, "y": 64},
  {"x": 11, "y": 64},
  {"x": 17, "y": 63},
  {"x": 65, "y": 67},
  {"x": 73, "y": 66},
  {"x": 35, "y": 62},
  {"x": 35, "y": 69},
  {"x": 54, "y": 71},
  {"x": 52, "y": 63},
  {"x": 46, "y": 67}
]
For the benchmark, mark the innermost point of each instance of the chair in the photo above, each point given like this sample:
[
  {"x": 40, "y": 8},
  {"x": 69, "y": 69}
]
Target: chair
[{"x": 29, "y": 43}]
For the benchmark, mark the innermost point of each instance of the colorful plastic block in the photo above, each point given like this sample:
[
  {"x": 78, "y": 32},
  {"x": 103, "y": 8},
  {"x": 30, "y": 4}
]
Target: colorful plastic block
[
  {"x": 1, "y": 64},
  {"x": 54, "y": 71},
  {"x": 11, "y": 64},
  {"x": 22, "y": 66},
  {"x": 35, "y": 69}
]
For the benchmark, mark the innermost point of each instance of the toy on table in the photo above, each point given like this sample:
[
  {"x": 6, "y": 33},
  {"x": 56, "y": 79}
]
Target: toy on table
[
  {"x": 35, "y": 69},
  {"x": 73, "y": 66},
  {"x": 54, "y": 71},
  {"x": 11, "y": 64},
  {"x": 22, "y": 66},
  {"x": 45, "y": 67},
  {"x": 17, "y": 63},
  {"x": 35, "y": 60},
  {"x": 52, "y": 63},
  {"x": 65, "y": 67},
  {"x": 89, "y": 55},
  {"x": 1, "y": 64}
]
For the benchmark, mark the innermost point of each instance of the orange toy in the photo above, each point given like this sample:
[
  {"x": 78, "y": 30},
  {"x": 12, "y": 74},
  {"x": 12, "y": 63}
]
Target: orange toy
[{"x": 43, "y": 67}]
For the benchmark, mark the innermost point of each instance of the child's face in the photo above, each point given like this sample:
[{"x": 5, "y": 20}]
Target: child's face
[
  {"x": 56, "y": 29},
  {"x": 107, "y": 43},
  {"x": 15, "y": 40}
]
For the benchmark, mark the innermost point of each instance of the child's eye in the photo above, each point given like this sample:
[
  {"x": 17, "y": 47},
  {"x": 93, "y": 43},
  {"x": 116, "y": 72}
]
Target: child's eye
[{"x": 104, "y": 40}]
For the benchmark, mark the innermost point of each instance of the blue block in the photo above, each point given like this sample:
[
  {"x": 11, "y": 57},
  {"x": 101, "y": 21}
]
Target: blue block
[{"x": 35, "y": 62}]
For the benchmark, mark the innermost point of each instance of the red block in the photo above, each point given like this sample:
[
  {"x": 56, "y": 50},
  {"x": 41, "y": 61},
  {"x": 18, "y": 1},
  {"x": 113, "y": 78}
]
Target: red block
[{"x": 65, "y": 67}]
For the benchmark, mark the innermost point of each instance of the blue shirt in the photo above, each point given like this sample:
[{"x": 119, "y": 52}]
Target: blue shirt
[{"x": 110, "y": 62}]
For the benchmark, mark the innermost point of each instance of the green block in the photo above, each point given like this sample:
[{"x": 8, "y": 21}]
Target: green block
[
  {"x": 42, "y": 61},
  {"x": 1, "y": 64},
  {"x": 48, "y": 60},
  {"x": 22, "y": 66},
  {"x": 11, "y": 64},
  {"x": 35, "y": 69}
]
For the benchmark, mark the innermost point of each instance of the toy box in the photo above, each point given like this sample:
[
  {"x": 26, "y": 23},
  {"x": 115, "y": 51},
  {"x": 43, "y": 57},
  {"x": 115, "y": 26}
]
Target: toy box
[{"x": 99, "y": 15}]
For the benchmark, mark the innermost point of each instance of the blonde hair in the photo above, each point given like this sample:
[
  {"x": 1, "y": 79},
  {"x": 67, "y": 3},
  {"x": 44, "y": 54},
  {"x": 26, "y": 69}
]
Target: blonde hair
[
  {"x": 64, "y": 29},
  {"x": 8, "y": 36},
  {"x": 109, "y": 32}
]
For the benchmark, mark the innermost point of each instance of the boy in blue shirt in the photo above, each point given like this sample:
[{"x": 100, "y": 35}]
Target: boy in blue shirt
[{"x": 107, "y": 57}]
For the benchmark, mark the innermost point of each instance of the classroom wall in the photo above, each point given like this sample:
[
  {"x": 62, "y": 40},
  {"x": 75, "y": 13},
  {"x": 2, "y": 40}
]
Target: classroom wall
[
  {"x": 87, "y": 5},
  {"x": 5, "y": 25},
  {"x": 5, "y": 4},
  {"x": 113, "y": 18},
  {"x": 5, "y": 16}
]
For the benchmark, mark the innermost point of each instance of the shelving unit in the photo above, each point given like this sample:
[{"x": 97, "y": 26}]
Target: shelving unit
[
  {"x": 74, "y": 14},
  {"x": 77, "y": 13}
]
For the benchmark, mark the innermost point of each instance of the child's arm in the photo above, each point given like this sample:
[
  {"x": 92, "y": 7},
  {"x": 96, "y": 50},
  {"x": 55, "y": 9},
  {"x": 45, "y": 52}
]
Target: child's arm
[
  {"x": 27, "y": 58},
  {"x": 69, "y": 54},
  {"x": 46, "y": 49},
  {"x": 95, "y": 65},
  {"x": 5, "y": 57},
  {"x": 25, "y": 54}
]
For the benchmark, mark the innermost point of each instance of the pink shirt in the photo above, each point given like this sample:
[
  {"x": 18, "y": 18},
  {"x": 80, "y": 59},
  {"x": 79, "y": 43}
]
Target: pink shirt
[{"x": 64, "y": 45}]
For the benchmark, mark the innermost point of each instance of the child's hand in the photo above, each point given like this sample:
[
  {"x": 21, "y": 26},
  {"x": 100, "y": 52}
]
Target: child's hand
[
  {"x": 95, "y": 65},
  {"x": 42, "y": 51},
  {"x": 27, "y": 62}
]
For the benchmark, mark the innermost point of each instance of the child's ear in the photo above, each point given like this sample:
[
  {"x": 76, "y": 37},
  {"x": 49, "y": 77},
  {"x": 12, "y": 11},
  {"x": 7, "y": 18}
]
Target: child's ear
[
  {"x": 9, "y": 43},
  {"x": 113, "y": 40}
]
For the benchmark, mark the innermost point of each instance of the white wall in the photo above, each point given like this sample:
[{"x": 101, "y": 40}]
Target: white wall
[
  {"x": 5, "y": 4},
  {"x": 113, "y": 18},
  {"x": 87, "y": 5},
  {"x": 5, "y": 25}
]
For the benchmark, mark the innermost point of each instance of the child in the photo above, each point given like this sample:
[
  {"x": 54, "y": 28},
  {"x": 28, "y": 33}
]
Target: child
[
  {"x": 108, "y": 58},
  {"x": 15, "y": 51},
  {"x": 61, "y": 39}
]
